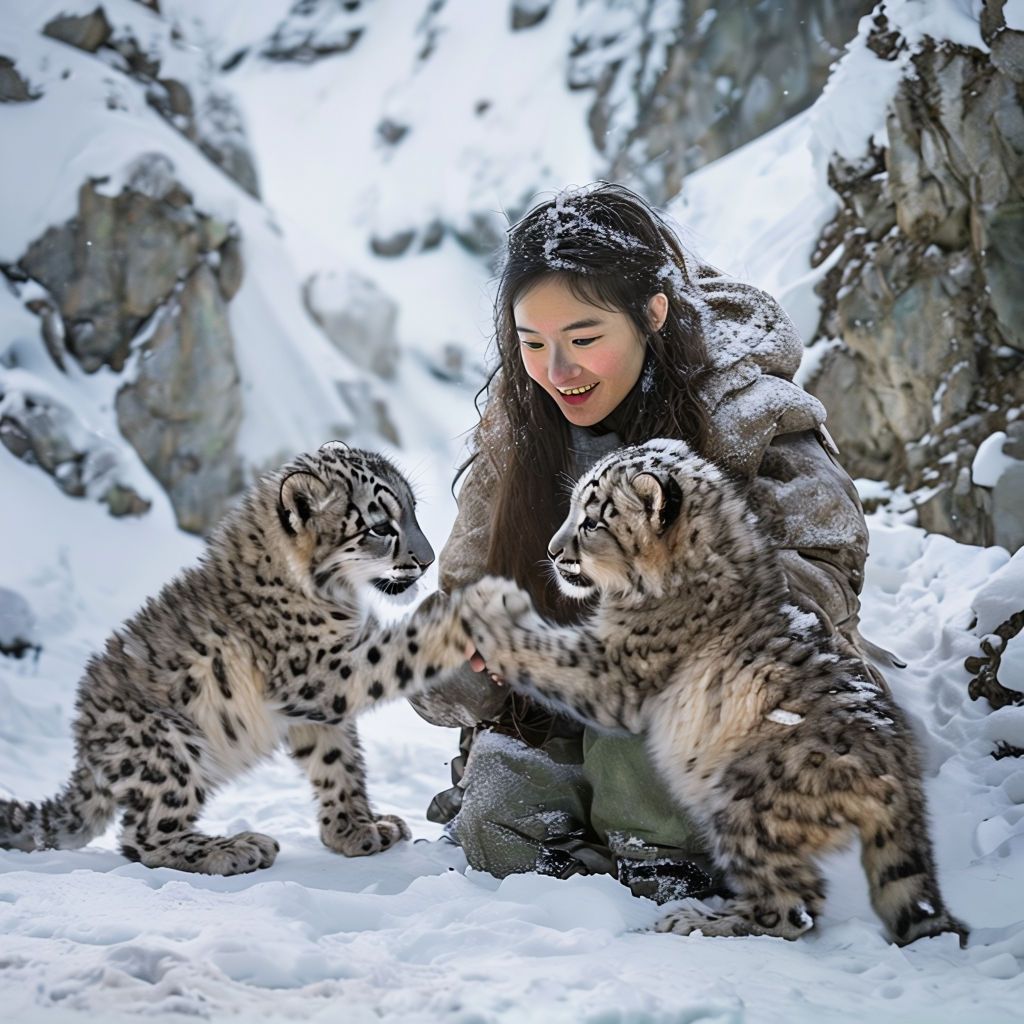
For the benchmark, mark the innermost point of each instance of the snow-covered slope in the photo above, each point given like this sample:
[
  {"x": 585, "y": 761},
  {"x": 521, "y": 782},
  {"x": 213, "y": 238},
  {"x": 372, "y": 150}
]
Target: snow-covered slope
[{"x": 412, "y": 934}]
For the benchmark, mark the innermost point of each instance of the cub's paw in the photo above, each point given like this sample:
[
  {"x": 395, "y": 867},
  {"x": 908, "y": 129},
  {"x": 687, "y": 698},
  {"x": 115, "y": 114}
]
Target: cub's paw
[
  {"x": 361, "y": 838},
  {"x": 496, "y": 599},
  {"x": 211, "y": 855},
  {"x": 694, "y": 916},
  {"x": 926, "y": 926}
]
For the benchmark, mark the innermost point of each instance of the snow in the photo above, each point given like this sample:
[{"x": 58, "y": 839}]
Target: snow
[
  {"x": 413, "y": 934},
  {"x": 990, "y": 462},
  {"x": 784, "y": 717},
  {"x": 1011, "y": 665}
]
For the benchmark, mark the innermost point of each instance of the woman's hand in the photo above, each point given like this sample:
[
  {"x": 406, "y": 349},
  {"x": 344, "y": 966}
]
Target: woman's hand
[{"x": 477, "y": 664}]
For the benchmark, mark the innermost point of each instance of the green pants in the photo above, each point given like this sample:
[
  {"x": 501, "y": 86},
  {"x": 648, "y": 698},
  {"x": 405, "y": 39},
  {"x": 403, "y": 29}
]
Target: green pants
[{"x": 554, "y": 810}]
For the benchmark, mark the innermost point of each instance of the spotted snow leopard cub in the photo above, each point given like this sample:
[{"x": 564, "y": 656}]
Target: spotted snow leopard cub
[
  {"x": 265, "y": 640},
  {"x": 775, "y": 740}
]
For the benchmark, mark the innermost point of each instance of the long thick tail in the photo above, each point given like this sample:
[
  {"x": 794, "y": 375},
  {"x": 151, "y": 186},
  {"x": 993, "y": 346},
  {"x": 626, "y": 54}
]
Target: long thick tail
[{"x": 80, "y": 812}]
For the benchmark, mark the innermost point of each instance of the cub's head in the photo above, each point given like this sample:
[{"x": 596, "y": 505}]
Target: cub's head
[
  {"x": 641, "y": 516},
  {"x": 349, "y": 519}
]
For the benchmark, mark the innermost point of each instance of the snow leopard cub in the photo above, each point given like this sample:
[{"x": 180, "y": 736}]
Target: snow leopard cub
[
  {"x": 265, "y": 640},
  {"x": 775, "y": 740}
]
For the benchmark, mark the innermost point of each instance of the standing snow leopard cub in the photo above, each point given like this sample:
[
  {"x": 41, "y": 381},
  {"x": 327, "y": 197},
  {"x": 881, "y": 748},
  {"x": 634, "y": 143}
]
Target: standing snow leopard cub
[
  {"x": 762, "y": 728},
  {"x": 264, "y": 641}
]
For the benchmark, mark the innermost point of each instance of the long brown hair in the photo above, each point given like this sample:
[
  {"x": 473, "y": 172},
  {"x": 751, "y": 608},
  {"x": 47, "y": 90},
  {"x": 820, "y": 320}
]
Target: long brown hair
[{"x": 614, "y": 251}]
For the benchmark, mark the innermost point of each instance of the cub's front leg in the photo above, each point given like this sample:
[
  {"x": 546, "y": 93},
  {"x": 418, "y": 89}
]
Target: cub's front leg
[
  {"x": 565, "y": 667},
  {"x": 333, "y": 760},
  {"x": 329, "y": 682}
]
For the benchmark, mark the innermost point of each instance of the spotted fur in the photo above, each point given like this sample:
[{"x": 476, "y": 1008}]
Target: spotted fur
[
  {"x": 775, "y": 738},
  {"x": 266, "y": 641}
]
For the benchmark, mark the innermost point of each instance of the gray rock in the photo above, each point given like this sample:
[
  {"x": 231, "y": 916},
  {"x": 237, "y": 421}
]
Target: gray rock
[
  {"x": 231, "y": 267},
  {"x": 14, "y": 88},
  {"x": 392, "y": 245},
  {"x": 131, "y": 272},
  {"x": 315, "y": 29},
  {"x": 481, "y": 232},
  {"x": 85, "y": 32},
  {"x": 182, "y": 411},
  {"x": 115, "y": 263},
  {"x": 1014, "y": 443},
  {"x": 1003, "y": 268},
  {"x": 358, "y": 318},
  {"x": 1008, "y": 508},
  {"x": 122, "y": 257},
  {"x": 220, "y": 134},
  {"x": 213, "y": 233},
  {"x": 212, "y": 121},
  {"x": 369, "y": 412},
  {"x": 527, "y": 13},
  {"x": 42, "y": 432}
]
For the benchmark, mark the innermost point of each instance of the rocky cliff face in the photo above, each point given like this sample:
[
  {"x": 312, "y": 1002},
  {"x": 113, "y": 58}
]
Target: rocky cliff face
[
  {"x": 679, "y": 83},
  {"x": 925, "y": 301}
]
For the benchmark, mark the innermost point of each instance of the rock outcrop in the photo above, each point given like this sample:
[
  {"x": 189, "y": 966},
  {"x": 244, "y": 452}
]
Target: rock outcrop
[
  {"x": 926, "y": 296},
  {"x": 182, "y": 410},
  {"x": 314, "y": 30},
  {"x": 14, "y": 88},
  {"x": 139, "y": 281},
  {"x": 679, "y": 84},
  {"x": 358, "y": 318},
  {"x": 43, "y": 432}
]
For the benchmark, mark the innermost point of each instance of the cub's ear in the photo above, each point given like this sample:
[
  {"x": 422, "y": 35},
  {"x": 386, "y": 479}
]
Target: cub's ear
[
  {"x": 662, "y": 499},
  {"x": 302, "y": 495}
]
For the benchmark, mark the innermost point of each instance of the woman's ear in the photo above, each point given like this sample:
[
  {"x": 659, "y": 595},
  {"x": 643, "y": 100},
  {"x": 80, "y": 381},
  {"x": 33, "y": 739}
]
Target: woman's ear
[{"x": 657, "y": 310}]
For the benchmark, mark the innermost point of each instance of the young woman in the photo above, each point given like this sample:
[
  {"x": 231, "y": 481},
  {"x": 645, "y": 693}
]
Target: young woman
[{"x": 607, "y": 334}]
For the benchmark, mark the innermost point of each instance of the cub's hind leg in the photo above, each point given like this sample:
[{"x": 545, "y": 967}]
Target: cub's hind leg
[
  {"x": 898, "y": 860},
  {"x": 780, "y": 893},
  {"x": 333, "y": 760},
  {"x": 160, "y": 781}
]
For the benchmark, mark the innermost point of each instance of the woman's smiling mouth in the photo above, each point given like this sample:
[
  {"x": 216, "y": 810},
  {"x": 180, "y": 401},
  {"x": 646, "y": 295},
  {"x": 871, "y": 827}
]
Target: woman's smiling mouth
[{"x": 574, "y": 396}]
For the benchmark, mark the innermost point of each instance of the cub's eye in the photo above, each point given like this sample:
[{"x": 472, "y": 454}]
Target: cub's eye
[
  {"x": 382, "y": 530},
  {"x": 589, "y": 525}
]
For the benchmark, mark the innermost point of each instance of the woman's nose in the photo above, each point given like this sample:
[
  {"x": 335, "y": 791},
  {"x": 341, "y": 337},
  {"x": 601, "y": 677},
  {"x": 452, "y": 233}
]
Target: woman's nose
[{"x": 561, "y": 368}]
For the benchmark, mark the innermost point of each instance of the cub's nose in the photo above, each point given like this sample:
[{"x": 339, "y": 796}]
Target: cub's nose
[{"x": 554, "y": 554}]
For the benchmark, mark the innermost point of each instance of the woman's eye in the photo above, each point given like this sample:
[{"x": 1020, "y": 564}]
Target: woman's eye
[
  {"x": 532, "y": 345},
  {"x": 583, "y": 342},
  {"x": 381, "y": 530},
  {"x": 589, "y": 525}
]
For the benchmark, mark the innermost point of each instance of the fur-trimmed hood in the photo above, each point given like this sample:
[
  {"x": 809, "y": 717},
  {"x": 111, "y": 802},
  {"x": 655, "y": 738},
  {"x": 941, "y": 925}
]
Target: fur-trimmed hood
[{"x": 754, "y": 351}]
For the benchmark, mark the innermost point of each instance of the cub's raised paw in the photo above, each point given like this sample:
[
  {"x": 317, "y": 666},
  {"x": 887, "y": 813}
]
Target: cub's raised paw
[
  {"x": 496, "y": 599},
  {"x": 361, "y": 838}
]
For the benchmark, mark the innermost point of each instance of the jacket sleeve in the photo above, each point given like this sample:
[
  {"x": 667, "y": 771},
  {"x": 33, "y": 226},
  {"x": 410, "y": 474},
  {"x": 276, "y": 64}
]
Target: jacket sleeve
[
  {"x": 768, "y": 431},
  {"x": 810, "y": 506},
  {"x": 465, "y": 698}
]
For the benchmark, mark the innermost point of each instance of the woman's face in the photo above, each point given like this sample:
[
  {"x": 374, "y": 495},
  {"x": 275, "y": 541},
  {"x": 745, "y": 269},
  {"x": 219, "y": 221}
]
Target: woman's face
[{"x": 585, "y": 357}]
